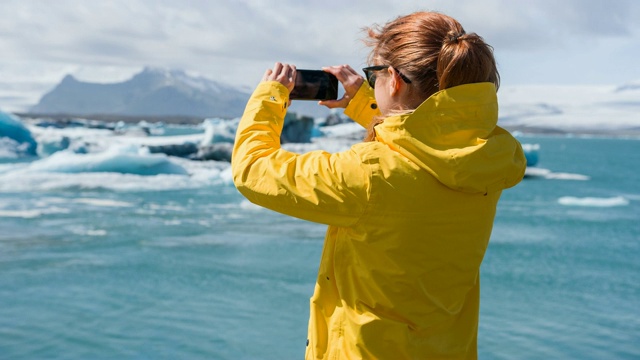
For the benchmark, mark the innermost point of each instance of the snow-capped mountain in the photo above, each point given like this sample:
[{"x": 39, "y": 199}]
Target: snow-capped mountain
[{"x": 152, "y": 92}]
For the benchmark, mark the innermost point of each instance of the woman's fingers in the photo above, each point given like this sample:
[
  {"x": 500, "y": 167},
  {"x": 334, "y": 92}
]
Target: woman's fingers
[
  {"x": 282, "y": 73},
  {"x": 342, "y": 72},
  {"x": 277, "y": 69},
  {"x": 350, "y": 80},
  {"x": 266, "y": 75}
]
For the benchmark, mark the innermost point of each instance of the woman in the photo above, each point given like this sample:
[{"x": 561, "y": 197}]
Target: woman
[{"x": 410, "y": 212}]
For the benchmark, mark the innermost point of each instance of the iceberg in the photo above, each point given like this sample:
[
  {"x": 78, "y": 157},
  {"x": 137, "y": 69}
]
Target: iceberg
[
  {"x": 10, "y": 149},
  {"x": 219, "y": 131},
  {"x": 118, "y": 159},
  {"x": 535, "y": 172},
  {"x": 531, "y": 153},
  {"x": 593, "y": 201},
  {"x": 19, "y": 137},
  {"x": 297, "y": 128},
  {"x": 48, "y": 145},
  {"x": 216, "y": 143}
]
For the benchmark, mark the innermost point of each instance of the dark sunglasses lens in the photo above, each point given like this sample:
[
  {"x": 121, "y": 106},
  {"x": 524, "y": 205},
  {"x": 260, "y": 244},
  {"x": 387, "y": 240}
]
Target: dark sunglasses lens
[
  {"x": 370, "y": 73},
  {"x": 371, "y": 78}
]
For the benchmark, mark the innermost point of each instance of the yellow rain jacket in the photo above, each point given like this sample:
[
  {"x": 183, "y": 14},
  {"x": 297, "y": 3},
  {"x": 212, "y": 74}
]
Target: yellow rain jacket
[{"x": 409, "y": 215}]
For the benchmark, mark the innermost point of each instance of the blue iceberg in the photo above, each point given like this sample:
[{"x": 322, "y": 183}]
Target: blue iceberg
[
  {"x": 49, "y": 145},
  {"x": 531, "y": 153},
  {"x": 15, "y": 133},
  {"x": 219, "y": 131},
  {"x": 117, "y": 159}
]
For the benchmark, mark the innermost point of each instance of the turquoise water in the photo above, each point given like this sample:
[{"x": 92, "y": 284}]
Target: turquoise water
[{"x": 89, "y": 270}]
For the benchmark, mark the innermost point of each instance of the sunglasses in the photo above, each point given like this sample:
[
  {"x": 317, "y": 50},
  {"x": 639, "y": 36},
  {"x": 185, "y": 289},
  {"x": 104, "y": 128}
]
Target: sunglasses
[{"x": 369, "y": 72}]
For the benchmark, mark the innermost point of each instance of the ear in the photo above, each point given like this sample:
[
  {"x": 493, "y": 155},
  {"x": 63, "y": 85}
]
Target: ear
[{"x": 394, "y": 81}]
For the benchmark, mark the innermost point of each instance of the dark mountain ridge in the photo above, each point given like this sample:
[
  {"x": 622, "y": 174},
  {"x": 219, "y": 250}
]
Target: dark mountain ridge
[{"x": 152, "y": 92}]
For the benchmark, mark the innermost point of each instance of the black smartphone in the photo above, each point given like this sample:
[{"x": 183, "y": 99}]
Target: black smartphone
[{"x": 314, "y": 85}]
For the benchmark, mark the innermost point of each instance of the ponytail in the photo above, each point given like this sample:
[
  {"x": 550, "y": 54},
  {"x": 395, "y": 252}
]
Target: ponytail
[{"x": 465, "y": 59}]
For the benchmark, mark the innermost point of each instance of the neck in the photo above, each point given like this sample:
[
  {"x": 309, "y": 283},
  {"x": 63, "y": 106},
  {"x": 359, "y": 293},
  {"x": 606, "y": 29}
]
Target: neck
[{"x": 407, "y": 100}]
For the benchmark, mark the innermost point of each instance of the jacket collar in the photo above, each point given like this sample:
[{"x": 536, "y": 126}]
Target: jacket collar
[{"x": 454, "y": 136}]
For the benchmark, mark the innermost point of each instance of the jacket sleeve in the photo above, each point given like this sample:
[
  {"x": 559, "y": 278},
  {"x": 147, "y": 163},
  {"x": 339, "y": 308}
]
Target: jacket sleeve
[
  {"x": 363, "y": 107},
  {"x": 316, "y": 186}
]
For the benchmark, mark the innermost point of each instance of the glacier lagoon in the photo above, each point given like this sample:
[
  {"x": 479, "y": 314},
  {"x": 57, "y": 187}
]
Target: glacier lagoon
[{"x": 110, "y": 261}]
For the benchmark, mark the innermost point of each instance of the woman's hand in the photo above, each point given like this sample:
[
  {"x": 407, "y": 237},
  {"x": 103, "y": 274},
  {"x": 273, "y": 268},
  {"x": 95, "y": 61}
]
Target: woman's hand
[
  {"x": 351, "y": 81},
  {"x": 285, "y": 74}
]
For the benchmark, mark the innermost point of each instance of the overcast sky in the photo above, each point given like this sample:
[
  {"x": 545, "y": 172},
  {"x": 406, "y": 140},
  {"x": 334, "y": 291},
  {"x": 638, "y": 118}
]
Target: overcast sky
[{"x": 234, "y": 41}]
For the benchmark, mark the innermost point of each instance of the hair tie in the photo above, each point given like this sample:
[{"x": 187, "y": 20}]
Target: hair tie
[{"x": 456, "y": 37}]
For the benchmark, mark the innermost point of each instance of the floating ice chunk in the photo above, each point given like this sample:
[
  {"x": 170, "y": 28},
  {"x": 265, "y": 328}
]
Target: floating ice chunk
[
  {"x": 52, "y": 144},
  {"x": 32, "y": 213},
  {"x": 9, "y": 148},
  {"x": 84, "y": 231},
  {"x": 533, "y": 172},
  {"x": 567, "y": 176},
  {"x": 25, "y": 214},
  {"x": 531, "y": 153},
  {"x": 20, "y": 178},
  {"x": 118, "y": 159},
  {"x": 219, "y": 130},
  {"x": 12, "y": 128},
  {"x": 593, "y": 201},
  {"x": 103, "y": 202}
]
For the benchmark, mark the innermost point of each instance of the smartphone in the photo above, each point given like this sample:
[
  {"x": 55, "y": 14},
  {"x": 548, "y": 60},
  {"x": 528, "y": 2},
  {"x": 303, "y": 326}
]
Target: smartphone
[{"x": 314, "y": 85}]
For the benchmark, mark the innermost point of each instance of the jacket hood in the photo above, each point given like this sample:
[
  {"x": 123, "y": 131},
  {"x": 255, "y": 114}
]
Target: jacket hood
[{"x": 454, "y": 136}]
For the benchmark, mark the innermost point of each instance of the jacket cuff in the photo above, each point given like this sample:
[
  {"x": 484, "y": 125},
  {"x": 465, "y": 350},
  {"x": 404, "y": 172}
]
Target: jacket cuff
[
  {"x": 270, "y": 95},
  {"x": 363, "y": 107},
  {"x": 264, "y": 113}
]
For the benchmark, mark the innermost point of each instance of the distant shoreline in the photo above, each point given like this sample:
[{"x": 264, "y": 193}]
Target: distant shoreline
[
  {"x": 114, "y": 118},
  {"x": 194, "y": 120},
  {"x": 613, "y": 133}
]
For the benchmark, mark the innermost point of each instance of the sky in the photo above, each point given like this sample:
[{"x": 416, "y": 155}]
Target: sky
[{"x": 574, "y": 42}]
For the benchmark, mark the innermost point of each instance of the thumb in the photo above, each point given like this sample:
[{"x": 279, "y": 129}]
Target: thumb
[{"x": 332, "y": 104}]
